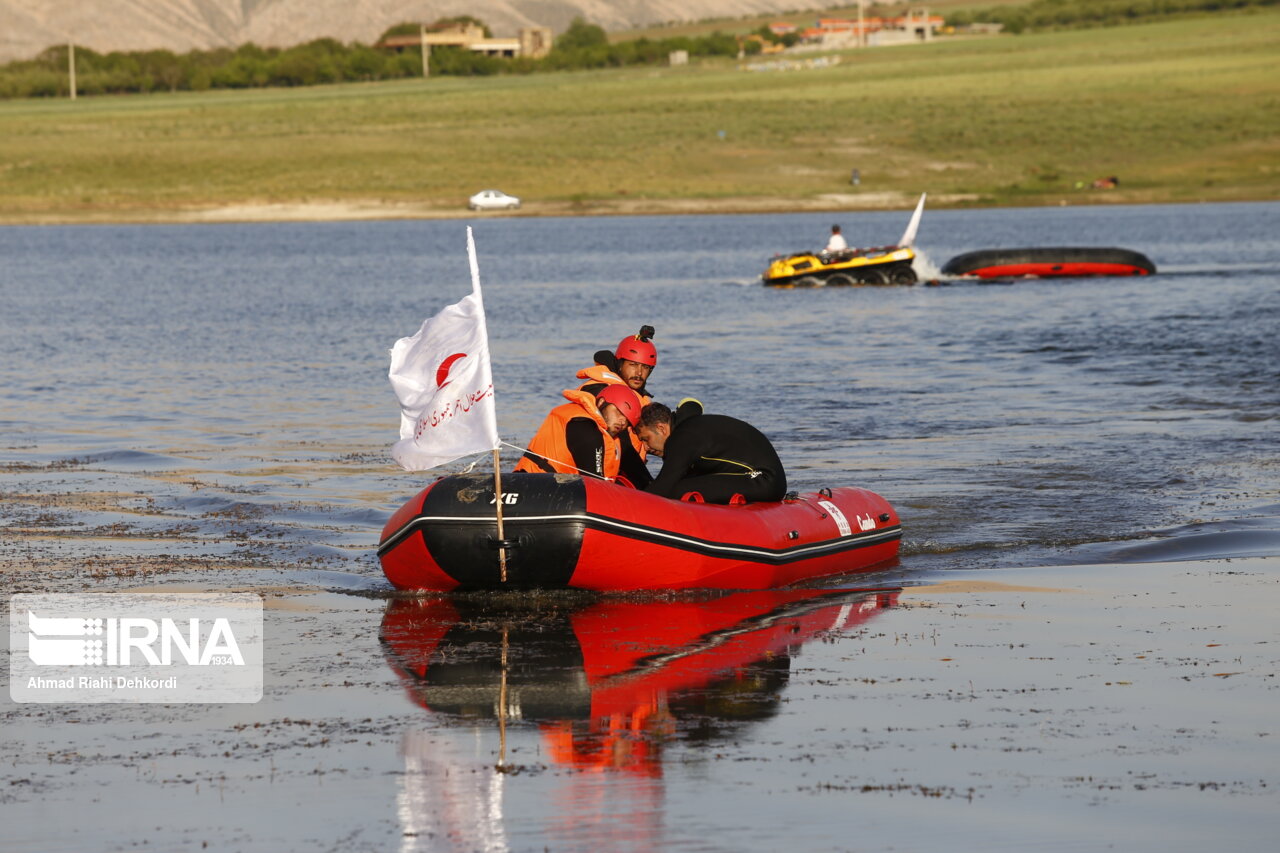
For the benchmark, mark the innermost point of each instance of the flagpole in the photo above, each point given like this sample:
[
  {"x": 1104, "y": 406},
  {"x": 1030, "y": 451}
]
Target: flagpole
[
  {"x": 502, "y": 704},
  {"x": 497, "y": 470},
  {"x": 497, "y": 500}
]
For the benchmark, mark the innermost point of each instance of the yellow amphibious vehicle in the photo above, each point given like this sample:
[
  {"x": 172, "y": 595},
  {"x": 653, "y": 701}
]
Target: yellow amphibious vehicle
[
  {"x": 881, "y": 265},
  {"x": 884, "y": 265}
]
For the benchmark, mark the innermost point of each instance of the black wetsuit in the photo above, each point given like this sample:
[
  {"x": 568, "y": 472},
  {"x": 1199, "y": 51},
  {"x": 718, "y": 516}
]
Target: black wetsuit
[
  {"x": 719, "y": 456},
  {"x": 585, "y": 442}
]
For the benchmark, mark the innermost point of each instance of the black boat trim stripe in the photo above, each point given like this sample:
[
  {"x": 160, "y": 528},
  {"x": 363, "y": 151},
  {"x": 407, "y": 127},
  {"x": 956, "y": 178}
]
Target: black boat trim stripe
[
  {"x": 688, "y": 543},
  {"x": 780, "y": 555}
]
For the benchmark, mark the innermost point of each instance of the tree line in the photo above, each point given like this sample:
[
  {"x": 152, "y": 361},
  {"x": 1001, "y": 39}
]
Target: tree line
[
  {"x": 326, "y": 60},
  {"x": 1042, "y": 15},
  {"x": 581, "y": 46}
]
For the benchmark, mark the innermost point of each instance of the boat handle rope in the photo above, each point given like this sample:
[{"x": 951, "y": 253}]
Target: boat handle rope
[{"x": 556, "y": 461}]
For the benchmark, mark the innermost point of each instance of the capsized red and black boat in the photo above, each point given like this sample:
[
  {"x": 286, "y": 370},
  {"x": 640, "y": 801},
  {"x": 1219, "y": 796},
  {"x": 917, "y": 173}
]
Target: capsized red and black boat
[
  {"x": 566, "y": 531},
  {"x": 1049, "y": 262}
]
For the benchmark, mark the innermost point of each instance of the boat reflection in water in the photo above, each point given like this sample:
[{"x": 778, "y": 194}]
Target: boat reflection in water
[{"x": 606, "y": 683}]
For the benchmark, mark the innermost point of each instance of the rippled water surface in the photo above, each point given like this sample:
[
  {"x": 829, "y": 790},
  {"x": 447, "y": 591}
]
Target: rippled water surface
[
  {"x": 207, "y": 406},
  {"x": 222, "y": 390}
]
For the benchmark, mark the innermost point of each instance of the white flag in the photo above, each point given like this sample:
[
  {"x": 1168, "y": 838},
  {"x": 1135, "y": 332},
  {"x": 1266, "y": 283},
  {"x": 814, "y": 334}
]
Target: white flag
[{"x": 444, "y": 383}]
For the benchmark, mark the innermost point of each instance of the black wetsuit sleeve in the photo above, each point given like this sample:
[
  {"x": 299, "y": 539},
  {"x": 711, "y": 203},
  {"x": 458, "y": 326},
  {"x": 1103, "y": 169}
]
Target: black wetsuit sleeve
[
  {"x": 633, "y": 467},
  {"x": 719, "y": 456},
  {"x": 585, "y": 442},
  {"x": 678, "y": 457}
]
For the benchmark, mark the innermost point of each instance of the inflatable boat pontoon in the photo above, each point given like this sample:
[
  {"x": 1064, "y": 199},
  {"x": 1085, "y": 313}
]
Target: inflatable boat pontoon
[{"x": 567, "y": 531}]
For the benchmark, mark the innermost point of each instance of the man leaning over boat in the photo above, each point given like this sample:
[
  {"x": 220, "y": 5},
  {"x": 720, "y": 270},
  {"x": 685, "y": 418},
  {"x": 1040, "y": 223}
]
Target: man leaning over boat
[{"x": 712, "y": 458}]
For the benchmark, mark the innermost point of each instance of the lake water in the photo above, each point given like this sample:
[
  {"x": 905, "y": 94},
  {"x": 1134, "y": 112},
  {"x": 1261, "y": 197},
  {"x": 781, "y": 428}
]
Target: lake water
[
  {"x": 233, "y": 378},
  {"x": 207, "y": 406}
]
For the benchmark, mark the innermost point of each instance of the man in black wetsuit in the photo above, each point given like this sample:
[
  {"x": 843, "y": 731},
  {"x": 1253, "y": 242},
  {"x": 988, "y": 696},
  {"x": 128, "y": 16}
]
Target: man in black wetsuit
[{"x": 714, "y": 455}]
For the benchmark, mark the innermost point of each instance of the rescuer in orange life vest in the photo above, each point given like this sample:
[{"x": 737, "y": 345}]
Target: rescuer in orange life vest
[
  {"x": 584, "y": 434},
  {"x": 630, "y": 363}
]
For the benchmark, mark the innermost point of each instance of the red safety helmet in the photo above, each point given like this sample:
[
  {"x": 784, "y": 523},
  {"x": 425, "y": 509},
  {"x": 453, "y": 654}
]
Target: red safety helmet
[
  {"x": 627, "y": 401},
  {"x": 638, "y": 348}
]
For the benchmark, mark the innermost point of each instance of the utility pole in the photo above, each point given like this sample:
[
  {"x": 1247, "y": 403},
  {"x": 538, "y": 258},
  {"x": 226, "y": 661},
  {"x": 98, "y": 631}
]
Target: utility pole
[
  {"x": 426, "y": 51},
  {"x": 71, "y": 67},
  {"x": 862, "y": 27}
]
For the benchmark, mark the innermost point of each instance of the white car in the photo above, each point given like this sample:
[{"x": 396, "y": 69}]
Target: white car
[{"x": 493, "y": 200}]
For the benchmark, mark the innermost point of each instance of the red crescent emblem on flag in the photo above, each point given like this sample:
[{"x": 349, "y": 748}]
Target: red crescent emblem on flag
[{"x": 442, "y": 374}]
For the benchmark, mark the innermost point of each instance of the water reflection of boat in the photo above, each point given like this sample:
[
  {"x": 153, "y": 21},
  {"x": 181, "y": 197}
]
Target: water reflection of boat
[{"x": 608, "y": 682}]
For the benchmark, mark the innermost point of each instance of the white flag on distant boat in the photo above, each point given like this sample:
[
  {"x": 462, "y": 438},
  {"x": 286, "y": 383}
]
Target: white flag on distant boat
[{"x": 444, "y": 383}]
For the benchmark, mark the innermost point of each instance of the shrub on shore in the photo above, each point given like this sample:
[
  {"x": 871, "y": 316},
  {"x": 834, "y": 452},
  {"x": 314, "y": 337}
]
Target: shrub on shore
[{"x": 1040, "y": 15}]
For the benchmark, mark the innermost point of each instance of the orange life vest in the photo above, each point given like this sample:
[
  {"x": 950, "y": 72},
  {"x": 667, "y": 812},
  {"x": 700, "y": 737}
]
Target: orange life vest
[
  {"x": 598, "y": 374},
  {"x": 549, "y": 443}
]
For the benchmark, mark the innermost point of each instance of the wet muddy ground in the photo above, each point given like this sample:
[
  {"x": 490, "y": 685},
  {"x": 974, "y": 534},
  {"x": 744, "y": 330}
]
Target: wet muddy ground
[{"x": 1101, "y": 707}]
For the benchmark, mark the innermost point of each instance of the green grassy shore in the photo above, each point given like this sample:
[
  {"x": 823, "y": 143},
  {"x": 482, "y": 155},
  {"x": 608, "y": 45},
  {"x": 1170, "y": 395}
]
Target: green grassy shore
[{"x": 1181, "y": 111}]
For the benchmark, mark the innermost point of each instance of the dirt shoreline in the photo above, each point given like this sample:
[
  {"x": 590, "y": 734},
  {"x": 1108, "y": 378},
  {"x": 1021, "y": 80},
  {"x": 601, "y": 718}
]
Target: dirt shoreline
[{"x": 372, "y": 209}]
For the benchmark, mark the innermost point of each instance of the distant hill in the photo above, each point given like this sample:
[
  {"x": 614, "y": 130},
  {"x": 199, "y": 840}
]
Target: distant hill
[{"x": 29, "y": 26}]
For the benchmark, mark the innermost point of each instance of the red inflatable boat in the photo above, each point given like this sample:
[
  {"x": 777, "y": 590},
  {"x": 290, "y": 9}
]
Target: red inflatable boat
[
  {"x": 1049, "y": 263},
  {"x": 566, "y": 531}
]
